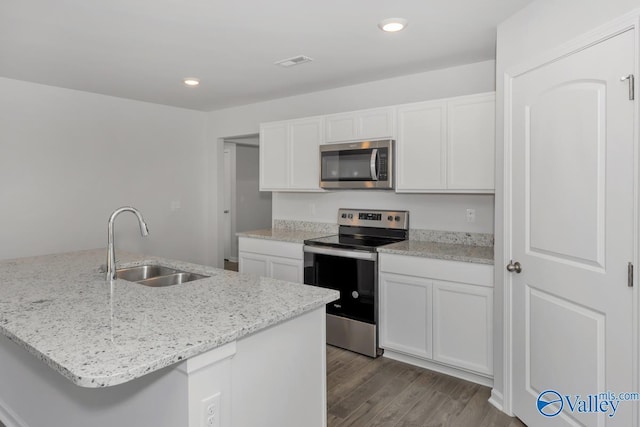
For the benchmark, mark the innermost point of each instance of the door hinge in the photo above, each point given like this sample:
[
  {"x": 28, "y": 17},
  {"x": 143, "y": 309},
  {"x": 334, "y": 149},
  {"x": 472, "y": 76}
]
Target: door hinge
[
  {"x": 630, "y": 275},
  {"x": 631, "y": 79}
]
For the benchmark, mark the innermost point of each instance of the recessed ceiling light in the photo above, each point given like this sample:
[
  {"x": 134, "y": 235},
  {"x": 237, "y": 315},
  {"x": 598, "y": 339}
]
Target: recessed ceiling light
[
  {"x": 391, "y": 25},
  {"x": 191, "y": 81}
]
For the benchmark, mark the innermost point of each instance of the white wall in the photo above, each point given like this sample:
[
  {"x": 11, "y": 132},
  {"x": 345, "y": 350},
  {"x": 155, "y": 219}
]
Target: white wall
[
  {"x": 69, "y": 158},
  {"x": 541, "y": 26},
  {"x": 253, "y": 207},
  {"x": 245, "y": 120}
]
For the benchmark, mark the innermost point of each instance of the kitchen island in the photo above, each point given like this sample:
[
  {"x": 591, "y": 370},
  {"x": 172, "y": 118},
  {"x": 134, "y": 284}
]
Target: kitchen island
[{"x": 230, "y": 349}]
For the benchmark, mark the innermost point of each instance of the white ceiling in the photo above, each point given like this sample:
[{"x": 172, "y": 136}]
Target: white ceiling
[{"x": 142, "y": 49}]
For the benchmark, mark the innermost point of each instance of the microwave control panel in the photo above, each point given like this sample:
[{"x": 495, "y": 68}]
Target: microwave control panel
[{"x": 383, "y": 157}]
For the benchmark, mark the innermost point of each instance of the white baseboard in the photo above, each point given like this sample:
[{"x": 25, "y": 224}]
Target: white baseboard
[
  {"x": 497, "y": 400},
  {"x": 443, "y": 369}
]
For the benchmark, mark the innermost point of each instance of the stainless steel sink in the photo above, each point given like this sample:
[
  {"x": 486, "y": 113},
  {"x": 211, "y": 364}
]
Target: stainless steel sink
[
  {"x": 172, "y": 279},
  {"x": 156, "y": 275},
  {"x": 143, "y": 272}
]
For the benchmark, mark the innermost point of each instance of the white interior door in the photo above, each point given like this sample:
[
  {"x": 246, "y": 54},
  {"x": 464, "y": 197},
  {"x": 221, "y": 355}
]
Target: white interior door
[{"x": 573, "y": 234}]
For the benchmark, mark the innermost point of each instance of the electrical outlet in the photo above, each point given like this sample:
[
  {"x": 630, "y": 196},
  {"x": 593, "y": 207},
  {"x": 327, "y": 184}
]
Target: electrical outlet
[
  {"x": 211, "y": 411},
  {"x": 471, "y": 215}
]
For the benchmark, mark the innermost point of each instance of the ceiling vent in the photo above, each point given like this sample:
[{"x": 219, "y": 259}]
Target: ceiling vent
[{"x": 296, "y": 60}]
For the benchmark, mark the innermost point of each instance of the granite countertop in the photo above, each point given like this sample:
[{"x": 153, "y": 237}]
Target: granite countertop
[
  {"x": 446, "y": 251},
  {"x": 447, "y": 245},
  {"x": 98, "y": 334},
  {"x": 284, "y": 235}
]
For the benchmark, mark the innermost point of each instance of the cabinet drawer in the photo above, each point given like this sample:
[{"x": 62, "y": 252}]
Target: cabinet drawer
[
  {"x": 271, "y": 247},
  {"x": 454, "y": 271}
]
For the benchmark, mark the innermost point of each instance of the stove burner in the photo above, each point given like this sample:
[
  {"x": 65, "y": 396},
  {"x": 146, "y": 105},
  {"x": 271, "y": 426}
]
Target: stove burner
[{"x": 366, "y": 230}]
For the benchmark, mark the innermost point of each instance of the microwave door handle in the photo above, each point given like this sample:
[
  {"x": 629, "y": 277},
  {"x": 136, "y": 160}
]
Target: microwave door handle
[{"x": 374, "y": 164}]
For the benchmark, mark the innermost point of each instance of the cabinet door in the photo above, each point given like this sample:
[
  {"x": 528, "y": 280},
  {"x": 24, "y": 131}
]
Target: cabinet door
[
  {"x": 405, "y": 314},
  {"x": 471, "y": 148},
  {"x": 375, "y": 124},
  {"x": 366, "y": 124},
  {"x": 274, "y": 156},
  {"x": 421, "y": 147},
  {"x": 286, "y": 269},
  {"x": 253, "y": 264},
  {"x": 340, "y": 127},
  {"x": 305, "y": 136},
  {"x": 462, "y": 326}
]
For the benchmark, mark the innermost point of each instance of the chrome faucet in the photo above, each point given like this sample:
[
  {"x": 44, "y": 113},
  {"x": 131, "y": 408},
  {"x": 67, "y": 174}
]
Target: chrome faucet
[{"x": 111, "y": 251}]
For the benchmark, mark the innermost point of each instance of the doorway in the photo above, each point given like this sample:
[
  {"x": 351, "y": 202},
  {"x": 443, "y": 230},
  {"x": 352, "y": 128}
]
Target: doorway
[{"x": 245, "y": 207}]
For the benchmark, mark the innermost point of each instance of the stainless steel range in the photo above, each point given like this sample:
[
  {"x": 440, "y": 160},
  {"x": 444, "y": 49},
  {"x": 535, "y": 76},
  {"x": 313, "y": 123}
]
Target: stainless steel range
[{"x": 348, "y": 262}]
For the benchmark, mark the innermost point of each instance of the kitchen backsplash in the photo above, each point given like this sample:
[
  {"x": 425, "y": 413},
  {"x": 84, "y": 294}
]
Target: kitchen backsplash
[
  {"x": 320, "y": 227},
  {"x": 453, "y": 237}
]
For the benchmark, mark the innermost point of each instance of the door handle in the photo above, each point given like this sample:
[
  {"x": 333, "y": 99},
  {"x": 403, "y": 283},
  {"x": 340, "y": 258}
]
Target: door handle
[
  {"x": 514, "y": 266},
  {"x": 226, "y": 211},
  {"x": 373, "y": 164}
]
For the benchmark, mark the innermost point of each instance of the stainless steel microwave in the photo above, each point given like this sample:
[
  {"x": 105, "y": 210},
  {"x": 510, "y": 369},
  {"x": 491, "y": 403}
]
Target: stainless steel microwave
[{"x": 357, "y": 165}]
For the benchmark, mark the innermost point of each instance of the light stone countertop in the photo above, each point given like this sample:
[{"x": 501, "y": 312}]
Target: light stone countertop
[
  {"x": 445, "y": 251},
  {"x": 60, "y": 308},
  {"x": 284, "y": 235},
  {"x": 423, "y": 243}
]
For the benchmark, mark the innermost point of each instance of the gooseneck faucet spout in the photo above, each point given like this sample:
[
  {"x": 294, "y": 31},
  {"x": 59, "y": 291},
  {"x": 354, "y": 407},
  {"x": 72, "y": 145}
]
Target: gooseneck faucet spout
[{"x": 111, "y": 252}]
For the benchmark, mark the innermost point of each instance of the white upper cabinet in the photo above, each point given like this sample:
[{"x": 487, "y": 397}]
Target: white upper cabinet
[
  {"x": 422, "y": 147},
  {"x": 471, "y": 149},
  {"x": 274, "y": 155},
  {"x": 289, "y": 156},
  {"x": 376, "y": 123},
  {"x": 447, "y": 145},
  {"x": 442, "y": 146},
  {"x": 304, "y": 165}
]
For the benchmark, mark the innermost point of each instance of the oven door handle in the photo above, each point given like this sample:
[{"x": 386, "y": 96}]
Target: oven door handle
[
  {"x": 370, "y": 256},
  {"x": 373, "y": 164}
]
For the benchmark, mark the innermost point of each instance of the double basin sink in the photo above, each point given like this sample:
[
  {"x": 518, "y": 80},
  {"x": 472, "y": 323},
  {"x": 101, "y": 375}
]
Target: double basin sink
[{"x": 156, "y": 275}]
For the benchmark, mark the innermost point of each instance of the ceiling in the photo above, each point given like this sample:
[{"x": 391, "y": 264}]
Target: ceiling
[{"x": 142, "y": 49}]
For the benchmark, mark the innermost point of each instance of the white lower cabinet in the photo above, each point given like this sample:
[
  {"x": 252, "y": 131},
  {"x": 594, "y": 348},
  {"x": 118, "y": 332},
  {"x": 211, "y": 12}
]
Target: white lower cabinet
[
  {"x": 405, "y": 314},
  {"x": 287, "y": 269},
  {"x": 269, "y": 258},
  {"x": 462, "y": 320},
  {"x": 438, "y": 314}
]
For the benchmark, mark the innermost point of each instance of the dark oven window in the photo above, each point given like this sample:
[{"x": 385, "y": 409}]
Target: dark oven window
[{"x": 354, "y": 278}]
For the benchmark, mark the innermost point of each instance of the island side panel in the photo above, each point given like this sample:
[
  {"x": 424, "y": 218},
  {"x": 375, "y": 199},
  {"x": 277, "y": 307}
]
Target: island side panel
[
  {"x": 32, "y": 395},
  {"x": 279, "y": 375}
]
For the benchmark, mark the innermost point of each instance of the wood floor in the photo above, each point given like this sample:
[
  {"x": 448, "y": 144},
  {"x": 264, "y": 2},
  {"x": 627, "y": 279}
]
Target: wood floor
[
  {"x": 230, "y": 265},
  {"x": 367, "y": 392}
]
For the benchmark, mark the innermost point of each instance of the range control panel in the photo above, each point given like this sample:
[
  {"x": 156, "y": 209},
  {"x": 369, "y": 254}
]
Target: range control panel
[{"x": 372, "y": 218}]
